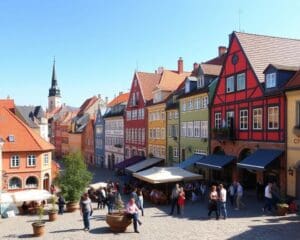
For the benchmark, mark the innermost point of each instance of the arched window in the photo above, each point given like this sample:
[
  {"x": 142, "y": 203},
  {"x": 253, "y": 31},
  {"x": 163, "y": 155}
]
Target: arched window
[
  {"x": 31, "y": 182},
  {"x": 15, "y": 183}
]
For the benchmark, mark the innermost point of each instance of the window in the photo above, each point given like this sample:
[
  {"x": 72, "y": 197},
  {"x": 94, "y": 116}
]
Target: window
[
  {"x": 142, "y": 113},
  {"x": 15, "y": 183},
  {"x": 257, "y": 118},
  {"x": 163, "y": 133},
  {"x": 163, "y": 115},
  {"x": 273, "y": 117},
  {"x": 205, "y": 102},
  {"x": 200, "y": 82},
  {"x": 229, "y": 119},
  {"x": 143, "y": 135},
  {"x": 197, "y": 103},
  {"x": 196, "y": 128},
  {"x": 241, "y": 82},
  {"x": 244, "y": 119},
  {"x": 157, "y": 133},
  {"x": 176, "y": 114},
  {"x": 134, "y": 115},
  {"x": 204, "y": 129},
  {"x": 128, "y": 115},
  {"x": 218, "y": 120},
  {"x": 169, "y": 115},
  {"x": 190, "y": 105},
  {"x": 183, "y": 129},
  {"x": 46, "y": 159},
  {"x": 230, "y": 84},
  {"x": 170, "y": 130},
  {"x": 99, "y": 129},
  {"x": 190, "y": 130},
  {"x": 31, "y": 161},
  {"x": 31, "y": 182},
  {"x": 184, "y": 106},
  {"x": 14, "y": 161},
  {"x": 175, "y": 152},
  {"x": 271, "y": 80}
]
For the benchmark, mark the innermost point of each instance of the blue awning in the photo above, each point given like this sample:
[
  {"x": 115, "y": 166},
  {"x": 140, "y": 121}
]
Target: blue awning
[
  {"x": 190, "y": 161},
  {"x": 260, "y": 159},
  {"x": 215, "y": 161}
]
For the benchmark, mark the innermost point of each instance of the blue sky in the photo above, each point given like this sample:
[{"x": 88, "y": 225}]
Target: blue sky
[{"x": 98, "y": 44}]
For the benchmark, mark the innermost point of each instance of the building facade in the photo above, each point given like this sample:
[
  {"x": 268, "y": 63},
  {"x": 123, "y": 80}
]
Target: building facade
[
  {"x": 99, "y": 139},
  {"x": 88, "y": 142}
]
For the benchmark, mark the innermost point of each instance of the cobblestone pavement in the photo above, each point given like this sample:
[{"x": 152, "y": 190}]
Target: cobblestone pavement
[{"x": 245, "y": 224}]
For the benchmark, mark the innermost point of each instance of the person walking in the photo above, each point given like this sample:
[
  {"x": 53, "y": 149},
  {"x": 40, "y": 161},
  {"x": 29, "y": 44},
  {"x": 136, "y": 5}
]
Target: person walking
[
  {"x": 132, "y": 212},
  {"x": 202, "y": 190},
  {"x": 181, "y": 200},
  {"x": 174, "y": 199},
  {"x": 213, "y": 202},
  {"x": 86, "y": 210},
  {"x": 268, "y": 198},
  {"x": 140, "y": 202},
  {"x": 110, "y": 200},
  {"x": 61, "y": 204},
  {"x": 239, "y": 195},
  {"x": 231, "y": 191},
  {"x": 222, "y": 200}
]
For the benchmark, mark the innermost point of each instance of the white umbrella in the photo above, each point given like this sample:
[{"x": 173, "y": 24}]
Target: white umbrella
[
  {"x": 6, "y": 198},
  {"x": 98, "y": 185},
  {"x": 31, "y": 195}
]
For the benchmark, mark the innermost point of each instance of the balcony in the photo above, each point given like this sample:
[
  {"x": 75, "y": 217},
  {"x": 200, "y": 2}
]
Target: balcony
[{"x": 224, "y": 133}]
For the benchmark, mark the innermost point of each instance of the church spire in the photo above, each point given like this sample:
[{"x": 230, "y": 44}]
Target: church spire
[{"x": 54, "y": 90}]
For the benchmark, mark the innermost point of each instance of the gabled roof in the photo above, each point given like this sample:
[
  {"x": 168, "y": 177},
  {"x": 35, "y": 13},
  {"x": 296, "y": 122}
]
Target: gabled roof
[
  {"x": 122, "y": 98},
  {"x": 31, "y": 114},
  {"x": 87, "y": 104},
  {"x": 262, "y": 50},
  {"x": 294, "y": 82},
  {"x": 25, "y": 139},
  {"x": 211, "y": 69},
  {"x": 8, "y": 103},
  {"x": 147, "y": 82},
  {"x": 170, "y": 80},
  {"x": 217, "y": 60}
]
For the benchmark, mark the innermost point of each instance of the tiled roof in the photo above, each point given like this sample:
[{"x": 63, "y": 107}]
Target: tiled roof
[
  {"x": 284, "y": 67},
  {"x": 31, "y": 115},
  {"x": 211, "y": 69},
  {"x": 217, "y": 60},
  {"x": 147, "y": 82},
  {"x": 8, "y": 103},
  {"x": 25, "y": 139},
  {"x": 122, "y": 98},
  {"x": 262, "y": 50},
  {"x": 294, "y": 83},
  {"x": 87, "y": 104},
  {"x": 170, "y": 80}
]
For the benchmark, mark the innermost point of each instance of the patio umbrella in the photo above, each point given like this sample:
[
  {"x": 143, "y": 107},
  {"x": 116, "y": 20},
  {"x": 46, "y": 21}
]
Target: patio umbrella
[
  {"x": 98, "y": 185},
  {"x": 31, "y": 195}
]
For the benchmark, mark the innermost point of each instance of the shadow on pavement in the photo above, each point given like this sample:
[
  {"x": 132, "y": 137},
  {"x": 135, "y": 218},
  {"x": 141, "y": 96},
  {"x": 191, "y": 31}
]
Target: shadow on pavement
[
  {"x": 25, "y": 236},
  {"x": 68, "y": 230},
  {"x": 106, "y": 230}
]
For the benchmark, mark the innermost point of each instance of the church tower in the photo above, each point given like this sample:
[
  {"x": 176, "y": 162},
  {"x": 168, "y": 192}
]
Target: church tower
[{"x": 54, "y": 98}]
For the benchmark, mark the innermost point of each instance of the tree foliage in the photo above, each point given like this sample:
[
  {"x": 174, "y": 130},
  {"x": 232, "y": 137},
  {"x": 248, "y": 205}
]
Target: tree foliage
[{"x": 74, "y": 178}]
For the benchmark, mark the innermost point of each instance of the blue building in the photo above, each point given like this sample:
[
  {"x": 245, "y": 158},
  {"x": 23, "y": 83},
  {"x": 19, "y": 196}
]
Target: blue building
[{"x": 99, "y": 139}]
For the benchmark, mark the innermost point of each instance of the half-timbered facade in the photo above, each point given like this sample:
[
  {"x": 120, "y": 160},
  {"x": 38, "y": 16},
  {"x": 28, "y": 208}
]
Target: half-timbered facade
[{"x": 248, "y": 110}]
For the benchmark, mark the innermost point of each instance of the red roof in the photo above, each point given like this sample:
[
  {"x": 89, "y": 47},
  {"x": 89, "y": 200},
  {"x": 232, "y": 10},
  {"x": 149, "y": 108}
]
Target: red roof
[
  {"x": 122, "y": 98},
  {"x": 87, "y": 104},
  {"x": 8, "y": 103},
  {"x": 147, "y": 82},
  {"x": 25, "y": 139},
  {"x": 294, "y": 83}
]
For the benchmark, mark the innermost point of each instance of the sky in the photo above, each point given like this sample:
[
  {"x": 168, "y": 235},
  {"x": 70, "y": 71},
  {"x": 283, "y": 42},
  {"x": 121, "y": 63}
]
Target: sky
[{"x": 98, "y": 44}]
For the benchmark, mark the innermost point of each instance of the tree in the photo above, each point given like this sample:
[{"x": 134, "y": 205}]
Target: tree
[{"x": 74, "y": 178}]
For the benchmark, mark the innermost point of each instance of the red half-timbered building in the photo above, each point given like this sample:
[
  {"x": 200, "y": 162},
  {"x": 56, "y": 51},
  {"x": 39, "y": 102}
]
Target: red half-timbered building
[
  {"x": 248, "y": 111},
  {"x": 136, "y": 117}
]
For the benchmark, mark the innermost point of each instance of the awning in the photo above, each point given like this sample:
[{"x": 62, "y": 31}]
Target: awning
[
  {"x": 260, "y": 159},
  {"x": 215, "y": 161},
  {"x": 128, "y": 162},
  {"x": 149, "y": 162},
  {"x": 157, "y": 175},
  {"x": 31, "y": 195},
  {"x": 190, "y": 161},
  {"x": 98, "y": 185}
]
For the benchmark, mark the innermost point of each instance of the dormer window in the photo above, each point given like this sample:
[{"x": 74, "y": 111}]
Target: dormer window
[
  {"x": 11, "y": 138},
  {"x": 270, "y": 80},
  {"x": 187, "y": 86},
  {"x": 200, "y": 82},
  {"x": 157, "y": 97}
]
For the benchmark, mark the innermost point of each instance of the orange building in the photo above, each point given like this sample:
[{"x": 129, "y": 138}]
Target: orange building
[
  {"x": 88, "y": 146},
  {"x": 26, "y": 157}
]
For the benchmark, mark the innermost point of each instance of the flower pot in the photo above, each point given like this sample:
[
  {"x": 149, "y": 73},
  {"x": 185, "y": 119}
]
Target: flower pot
[
  {"x": 52, "y": 215},
  {"x": 38, "y": 229},
  {"x": 118, "y": 221},
  {"x": 72, "y": 206}
]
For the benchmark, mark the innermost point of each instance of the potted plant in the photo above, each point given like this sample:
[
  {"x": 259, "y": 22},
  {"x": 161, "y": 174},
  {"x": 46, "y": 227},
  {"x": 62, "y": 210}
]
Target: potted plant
[
  {"x": 73, "y": 179},
  {"x": 118, "y": 220},
  {"x": 39, "y": 225},
  {"x": 52, "y": 213}
]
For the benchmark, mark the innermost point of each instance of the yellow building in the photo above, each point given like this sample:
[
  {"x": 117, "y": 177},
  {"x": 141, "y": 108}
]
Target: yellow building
[{"x": 293, "y": 136}]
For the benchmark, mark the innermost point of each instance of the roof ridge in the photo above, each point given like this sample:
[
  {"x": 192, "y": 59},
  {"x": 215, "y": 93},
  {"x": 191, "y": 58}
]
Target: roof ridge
[
  {"x": 263, "y": 35},
  {"x": 26, "y": 127}
]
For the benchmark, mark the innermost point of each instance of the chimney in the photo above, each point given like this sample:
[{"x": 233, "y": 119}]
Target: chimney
[
  {"x": 222, "y": 50},
  {"x": 120, "y": 93},
  {"x": 180, "y": 65},
  {"x": 195, "y": 66}
]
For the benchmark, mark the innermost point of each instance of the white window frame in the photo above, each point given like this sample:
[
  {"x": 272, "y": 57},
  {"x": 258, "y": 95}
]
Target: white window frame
[
  {"x": 31, "y": 160},
  {"x": 274, "y": 117},
  {"x": 218, "y": 120},
  {"x": 240, "y": 81},
  {"x": 204, "y": 129},
  {"x": 190, "y": 129},
  {"x": 244, "y": 119},
  {"x": 257, "y": 119},
  {"x": 197, "y": 129},
  {"x": 271, "y": 80},
  {"x": 229, "y": 82},
  {"x": 229, "y": 114},
  {"x": 200, "y": 81},
  {"x": 183, "y": 129},
  {"x": 15, "y": 161},
  {"x": 175, "y": 152},
  {"x": 46, "y": 159}
]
